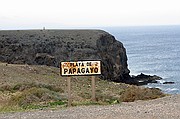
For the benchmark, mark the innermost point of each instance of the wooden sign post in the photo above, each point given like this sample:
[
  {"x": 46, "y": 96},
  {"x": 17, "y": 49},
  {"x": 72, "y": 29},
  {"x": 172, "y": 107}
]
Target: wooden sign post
[
  {"x": 69, "y": 91},
  {"x": 93, "y": 88},
  {"x": 80, "y": 68}
]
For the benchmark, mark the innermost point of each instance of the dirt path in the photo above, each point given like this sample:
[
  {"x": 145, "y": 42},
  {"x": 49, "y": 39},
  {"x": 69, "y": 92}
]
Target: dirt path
[{"x": 164, "y": 108}]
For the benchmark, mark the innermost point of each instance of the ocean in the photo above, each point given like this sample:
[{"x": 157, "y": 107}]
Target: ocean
[{"x": 152, "y": 50}]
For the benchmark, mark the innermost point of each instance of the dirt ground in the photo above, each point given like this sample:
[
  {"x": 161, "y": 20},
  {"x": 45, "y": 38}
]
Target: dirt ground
[{"x": 163, "y": 108}]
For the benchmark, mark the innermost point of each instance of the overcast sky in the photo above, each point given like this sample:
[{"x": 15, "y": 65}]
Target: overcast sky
[{"x": 27, "y": 14}]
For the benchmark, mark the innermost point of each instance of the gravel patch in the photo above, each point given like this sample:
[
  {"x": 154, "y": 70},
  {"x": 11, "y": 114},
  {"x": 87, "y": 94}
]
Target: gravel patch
[{"x": 164, "y": 108}]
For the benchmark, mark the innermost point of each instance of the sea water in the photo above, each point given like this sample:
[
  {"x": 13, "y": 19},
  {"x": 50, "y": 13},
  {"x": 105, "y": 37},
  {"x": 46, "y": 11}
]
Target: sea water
[{"x": 153, "y": 50}]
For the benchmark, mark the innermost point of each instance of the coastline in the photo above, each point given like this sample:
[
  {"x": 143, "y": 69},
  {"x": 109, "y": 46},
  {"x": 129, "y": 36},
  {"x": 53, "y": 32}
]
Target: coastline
[{"x": 152, "y": 50}]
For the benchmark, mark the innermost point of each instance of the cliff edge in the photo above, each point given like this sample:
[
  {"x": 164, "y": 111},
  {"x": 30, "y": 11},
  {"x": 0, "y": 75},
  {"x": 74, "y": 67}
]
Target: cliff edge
[{"x": 49, "y": 47}]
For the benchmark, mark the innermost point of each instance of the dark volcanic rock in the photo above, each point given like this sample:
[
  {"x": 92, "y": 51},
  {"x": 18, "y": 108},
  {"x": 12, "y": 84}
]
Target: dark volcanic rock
[
  {"x": 49, "y": 47},
  {"x": 169, "y": 82},
  {"x": 143, "y": 79}
]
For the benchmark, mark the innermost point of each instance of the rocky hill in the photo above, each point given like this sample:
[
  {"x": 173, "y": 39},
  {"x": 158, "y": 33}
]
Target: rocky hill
[{"x": 49, "y": 47}]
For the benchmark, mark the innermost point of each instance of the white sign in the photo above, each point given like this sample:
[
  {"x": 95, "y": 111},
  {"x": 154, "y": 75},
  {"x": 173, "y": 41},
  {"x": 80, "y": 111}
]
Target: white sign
[{"x": 80, "y": 68}]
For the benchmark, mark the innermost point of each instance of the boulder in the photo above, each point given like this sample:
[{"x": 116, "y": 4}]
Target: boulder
[{"x": 50, "y": 47}]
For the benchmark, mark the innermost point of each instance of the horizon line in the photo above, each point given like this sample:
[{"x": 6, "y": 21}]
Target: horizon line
[{"x": 87, "y": 27}]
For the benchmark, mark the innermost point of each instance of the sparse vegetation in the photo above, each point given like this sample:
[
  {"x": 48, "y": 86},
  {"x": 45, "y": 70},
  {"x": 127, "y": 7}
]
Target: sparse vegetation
[
  {"x": 37, "y": 87},
  {"x": 136, "y": 93}
]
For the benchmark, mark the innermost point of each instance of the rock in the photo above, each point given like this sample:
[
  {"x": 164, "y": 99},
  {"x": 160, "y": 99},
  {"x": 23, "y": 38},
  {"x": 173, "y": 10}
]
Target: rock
[
  {"x": 44, "y": 58},
  {"x": 49, "y": 47},
  {"x": 143, "y": 79},
  {"x": 168, "y": 82}
]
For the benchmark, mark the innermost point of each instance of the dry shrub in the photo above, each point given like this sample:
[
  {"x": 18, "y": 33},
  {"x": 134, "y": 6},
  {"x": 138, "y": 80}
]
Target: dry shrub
[
  {"x": 5, "y": 87},
  {"x": 34, "y": 95},
  {"x": 138, "y": 93}
]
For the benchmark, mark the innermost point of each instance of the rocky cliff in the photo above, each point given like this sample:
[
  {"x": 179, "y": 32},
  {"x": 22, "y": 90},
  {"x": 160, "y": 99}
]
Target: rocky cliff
[{"x": 49, "y": 47}]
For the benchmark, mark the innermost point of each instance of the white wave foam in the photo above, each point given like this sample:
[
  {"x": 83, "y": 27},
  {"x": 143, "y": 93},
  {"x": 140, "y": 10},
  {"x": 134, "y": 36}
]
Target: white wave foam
[
  {"x": 171, "y": 89},
  {"x": 160, "y": 81}
]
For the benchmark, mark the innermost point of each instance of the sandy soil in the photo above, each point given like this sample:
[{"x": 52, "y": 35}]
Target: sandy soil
[{"x": 164, "y": 108}]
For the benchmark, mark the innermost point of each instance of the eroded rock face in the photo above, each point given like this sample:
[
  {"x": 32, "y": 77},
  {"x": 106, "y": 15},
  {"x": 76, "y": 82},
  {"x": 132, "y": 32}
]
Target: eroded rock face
[{"x": 49, "y": 47}]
